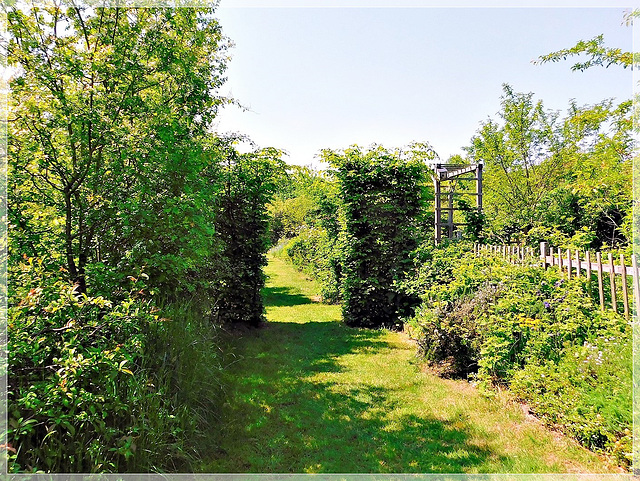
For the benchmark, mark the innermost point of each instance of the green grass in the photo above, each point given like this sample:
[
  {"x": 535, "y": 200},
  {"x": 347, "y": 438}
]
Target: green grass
[{"x": 309, "y": 394}]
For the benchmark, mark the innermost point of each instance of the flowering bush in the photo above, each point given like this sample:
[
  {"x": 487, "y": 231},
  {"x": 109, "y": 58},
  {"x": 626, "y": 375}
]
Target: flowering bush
[{"x": 531, "y": 330}]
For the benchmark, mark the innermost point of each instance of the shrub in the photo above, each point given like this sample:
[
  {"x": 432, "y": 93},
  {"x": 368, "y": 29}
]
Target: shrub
[
  {"x": 383, "y": 197},
  {"x": 318, "y": 256},
  {"x": 96, "y": 385},
  {"x": 533, "y": 331},
  {"x": 587, "y": 393}
]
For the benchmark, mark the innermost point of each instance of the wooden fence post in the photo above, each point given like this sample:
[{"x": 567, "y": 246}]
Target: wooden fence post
[
  {"x": 600, "y": 286},
  {"x": 578, "y": 266},
  {"x": 612, "y": 281},
  {"x": 636, "y": 284},
  {"x": 543, "y": 254},
  {"x": 560, "y": 258},
  {"x": 625, "y": 293},
  {"x": 589, "y": 268},
  {"x": 569, "y": 264}
]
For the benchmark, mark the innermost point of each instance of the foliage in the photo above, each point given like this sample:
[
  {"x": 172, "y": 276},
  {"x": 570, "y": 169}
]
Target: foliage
[
  {"x": 596, "y": 51},
  {"x": 474, "y": 219},
  {"x": 106, "y": 107},
  {"x": 382, "y": 196},
  {"x": 565, "y": 178},
  {"x": 319, "y": 256},
  {"x": 587, "y": 392},
  {"x": 300, "y": 201},
  {"x": 523, "y": 327},
  {"x": 74, "y": 374},
  {"x": 97, "y": 385},
  {"x": 112, "y": 169},
  {"x": 242, "y": 227}
]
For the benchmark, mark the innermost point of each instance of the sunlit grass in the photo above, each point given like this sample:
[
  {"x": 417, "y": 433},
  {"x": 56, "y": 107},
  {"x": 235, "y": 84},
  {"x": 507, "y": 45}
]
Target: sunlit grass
[{"x": 308, "y": 394}]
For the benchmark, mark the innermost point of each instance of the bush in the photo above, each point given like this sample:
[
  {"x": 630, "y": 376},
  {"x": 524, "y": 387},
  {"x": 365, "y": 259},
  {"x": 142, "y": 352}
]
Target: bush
[
  {"x": 89, "y": 388},
  {"x": 318, "y": 256},
  {"x": 587, "y": 393},
  {"x": 383, "y": 198},
  {"x": 533, "y": 331}
]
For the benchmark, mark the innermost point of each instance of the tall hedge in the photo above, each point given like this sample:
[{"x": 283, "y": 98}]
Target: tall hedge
[
  {"x": 242, "y": 229},
  {"x": 383, "y": 196}
]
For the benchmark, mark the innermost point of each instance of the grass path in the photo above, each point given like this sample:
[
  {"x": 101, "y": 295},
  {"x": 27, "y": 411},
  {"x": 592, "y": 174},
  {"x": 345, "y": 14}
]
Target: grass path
[{"x": 309, "y": 394}]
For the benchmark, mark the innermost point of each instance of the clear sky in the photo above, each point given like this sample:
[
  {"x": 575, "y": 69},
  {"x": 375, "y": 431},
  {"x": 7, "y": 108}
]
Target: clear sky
[{"x": 325, "y": 77}]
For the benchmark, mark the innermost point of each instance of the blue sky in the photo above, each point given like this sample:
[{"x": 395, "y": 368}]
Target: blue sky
[{"x": 316, "y": 78}]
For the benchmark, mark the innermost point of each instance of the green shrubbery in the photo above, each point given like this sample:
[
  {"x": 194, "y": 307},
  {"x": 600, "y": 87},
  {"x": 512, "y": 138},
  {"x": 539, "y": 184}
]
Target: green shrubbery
[
  {"x": 98, "y": 385},
  {"x": 531, "y": 330},
  {"x": 318, "y": 256}
]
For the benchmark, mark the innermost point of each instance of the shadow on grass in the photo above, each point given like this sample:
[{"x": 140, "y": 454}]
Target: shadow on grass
[
  {"x": 280, "y": 419},
  {"x": 283, "y": 296}
]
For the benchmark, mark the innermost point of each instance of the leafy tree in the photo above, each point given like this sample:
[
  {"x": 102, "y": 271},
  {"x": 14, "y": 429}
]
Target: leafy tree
[
  {"x": 106, "y": 108},
  {"x": 513, "y": 151},
  {"x": 564, "y": 180},
  {"x": 615, "y": 222}
]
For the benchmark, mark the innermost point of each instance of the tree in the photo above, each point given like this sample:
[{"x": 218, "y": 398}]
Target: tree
[
  {"x": 608, "y": 169},
  {"x": 513, "y": 151},
  {"x": 563, "y": 180},
  {"x": 107, "y": 107}
]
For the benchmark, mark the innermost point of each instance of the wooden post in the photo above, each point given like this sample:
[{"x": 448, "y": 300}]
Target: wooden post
[
  {"x": 568, "y": 263},
  {"x": 438, "y": 206},
  {"x": 479, "y": 186},
  {"x": 600, "y": 286},
  {"x": 578, "y": 266},
  {"x": 625, "y": 287},
  {"x": 612, "y": 281},
  {"x": 636, "y": 284},
  {"x": 450, "y": 218},
  {"x": 589, "y": 267},
  {"x": 543, "y": 254},
  {"x": 560, "y": 258}
]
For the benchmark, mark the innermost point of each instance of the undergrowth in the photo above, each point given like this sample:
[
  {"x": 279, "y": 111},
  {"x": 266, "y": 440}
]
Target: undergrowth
[
  {"x": 533, "y": 331},
  {"x": 105, "y": 385}
]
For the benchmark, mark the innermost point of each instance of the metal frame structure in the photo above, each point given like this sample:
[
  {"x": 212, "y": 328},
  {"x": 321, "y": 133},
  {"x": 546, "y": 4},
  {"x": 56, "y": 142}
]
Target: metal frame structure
[{"x": 444, "y": 174}]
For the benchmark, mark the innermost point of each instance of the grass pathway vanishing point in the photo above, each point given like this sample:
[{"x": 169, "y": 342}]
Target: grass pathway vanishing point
[{"x": 308, "y": 394}]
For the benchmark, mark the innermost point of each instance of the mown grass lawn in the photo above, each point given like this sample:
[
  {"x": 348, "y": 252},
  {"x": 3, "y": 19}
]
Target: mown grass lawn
[{"x": 307, "y": 394}]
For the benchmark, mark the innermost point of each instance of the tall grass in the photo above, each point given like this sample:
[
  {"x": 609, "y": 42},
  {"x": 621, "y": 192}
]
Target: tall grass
[{"x": 184, "y": 364}]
